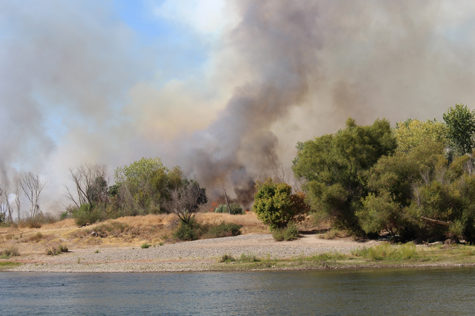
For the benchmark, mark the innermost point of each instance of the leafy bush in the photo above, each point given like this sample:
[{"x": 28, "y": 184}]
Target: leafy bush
[
  {"x": 145, "y": 245},
  {"x": 222, "y": 230},
  {"x": 288, "y": 233},
  {"x": 188, "y": 231},
  {"x": 234, "y": 209},
  {"x": 276, "y": 206},
  {"x": 85, "y": 215},
  {"x": 9, "y": 252},
  {"x": 193, "y": 230}
]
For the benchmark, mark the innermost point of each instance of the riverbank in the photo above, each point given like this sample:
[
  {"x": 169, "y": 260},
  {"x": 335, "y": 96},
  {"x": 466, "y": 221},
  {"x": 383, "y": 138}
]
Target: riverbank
[{"x": 251, "y": 252}]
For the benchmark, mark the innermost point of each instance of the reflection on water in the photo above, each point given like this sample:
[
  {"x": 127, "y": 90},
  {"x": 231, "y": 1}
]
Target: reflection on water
[{"x": 264, "y": 293}]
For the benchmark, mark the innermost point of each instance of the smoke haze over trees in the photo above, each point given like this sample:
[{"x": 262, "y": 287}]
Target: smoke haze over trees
[{"x": 80, "y": 85}]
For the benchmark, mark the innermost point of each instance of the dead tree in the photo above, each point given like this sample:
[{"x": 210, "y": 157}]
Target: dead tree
[
  {"x": 18, "y": 200},
  {"x": 31, "y": 186},
  {"x": 5, "y": 206},
  {"x": 185, "y": 200},
  {"x": 90, "y": 186}
]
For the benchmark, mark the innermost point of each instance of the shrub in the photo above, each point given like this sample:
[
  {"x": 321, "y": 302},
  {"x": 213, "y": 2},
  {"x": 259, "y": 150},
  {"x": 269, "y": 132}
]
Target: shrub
[
  {"x": 37, "y": 221},
  {"x": 193, "y": 230},
  {"x": 276, "y": 206},
  {"x": 9, "y": 252},
  {"x": 85, "y": 215},
  {"x": 145, "y": 245},
  {"x": 278, "y": 234},
  {"x": 222, "y": 230},
  {"x": 386, "y": 251},
  {"x": 56, "y": 250},
  {"x": 288, "y": 233},
  {"x": 188, "y": 231},
  {"x": 291, "y": 232},
  {"x": 114, "y": 229},
  {"x": 234, "y": 209},
  {"x": 248, "y": 258},
  {"x": 64, "y": 215},
  {"x": 227, "y": 258}
]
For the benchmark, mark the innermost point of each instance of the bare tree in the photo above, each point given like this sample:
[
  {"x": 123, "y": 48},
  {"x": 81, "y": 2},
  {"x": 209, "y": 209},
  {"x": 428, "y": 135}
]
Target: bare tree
[
  {"x": 18, "y": 200},
  {"x": 185, "y": 200},
  {"x": 90, "y": 185},
  {"x": 5, "y": 206},
  {"x": 31, "y": 186}
]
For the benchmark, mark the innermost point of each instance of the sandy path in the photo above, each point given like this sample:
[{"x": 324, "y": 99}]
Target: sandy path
[{"x": 199, "y": 255}]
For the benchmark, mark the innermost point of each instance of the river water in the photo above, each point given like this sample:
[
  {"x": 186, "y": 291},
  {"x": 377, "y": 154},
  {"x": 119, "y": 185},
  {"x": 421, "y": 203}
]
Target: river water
[{"x": 417, "y": 292}]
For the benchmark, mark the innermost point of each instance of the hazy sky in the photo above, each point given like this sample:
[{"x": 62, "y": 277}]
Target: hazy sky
[{"x": 227, "y": 86}]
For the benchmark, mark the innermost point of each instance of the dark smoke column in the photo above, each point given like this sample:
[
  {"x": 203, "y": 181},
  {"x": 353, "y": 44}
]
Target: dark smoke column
[{"x": 278, "y": 39}]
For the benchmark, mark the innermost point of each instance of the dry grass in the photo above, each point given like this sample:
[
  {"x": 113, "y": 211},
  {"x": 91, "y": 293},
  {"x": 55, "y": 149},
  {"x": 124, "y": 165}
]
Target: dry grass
[
  {"x": 124, "y": 231},
  {"x": 249, "y": 221}
]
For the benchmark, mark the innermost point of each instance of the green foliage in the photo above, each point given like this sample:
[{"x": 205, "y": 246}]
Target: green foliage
[
  {"x": 335, "y": 168},
  {"x": 234, "y": 209},
  {"x": 85, "y": 215},
  {"x": 64, "y": 215},
  {"x": 188, "y": 231},
  {"x": 145, "y": 186},
  {"x": 418, "y": 194},
  {"x": 461, "y": 128},
  {"x": 222, "y": 230},
  {"x": 145, "y": 245},
  {"x": 388, "y": 252},
  {"x": 248, "y": 258},
  {"x": 391, "y": 182},
  {"x": 412, "y": 133},
  {"x": 288, "y": 233},
  {"x": 143, "y": 179},
  {"x": 227, "y": 259},
  {"x": 193, "y": 230},
  {"x": 244, "y": 258},
  {"x": 276, "y": 206}
]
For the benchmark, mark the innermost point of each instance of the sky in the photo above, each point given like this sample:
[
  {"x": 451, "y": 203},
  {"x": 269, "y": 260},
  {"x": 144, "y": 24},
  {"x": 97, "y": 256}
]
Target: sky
[{"x": 224, "y": 89}]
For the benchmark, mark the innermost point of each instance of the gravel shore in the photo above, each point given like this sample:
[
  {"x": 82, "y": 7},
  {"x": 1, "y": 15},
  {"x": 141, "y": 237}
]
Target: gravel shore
[{"x": 199, "y": 255}]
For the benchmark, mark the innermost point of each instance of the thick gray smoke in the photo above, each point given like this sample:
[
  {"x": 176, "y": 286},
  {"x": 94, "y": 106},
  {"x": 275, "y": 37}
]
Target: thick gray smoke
[
  {"x": 314, "y": 64},
  {"x": 298, "y": 69}
]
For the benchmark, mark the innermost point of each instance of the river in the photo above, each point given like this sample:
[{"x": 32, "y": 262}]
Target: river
[{"x": 384, "y": 292}]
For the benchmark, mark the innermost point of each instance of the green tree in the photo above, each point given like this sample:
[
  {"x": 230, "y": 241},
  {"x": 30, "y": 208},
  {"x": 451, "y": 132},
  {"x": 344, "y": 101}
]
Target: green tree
[
  {"x": 276, "y": 206},
  {"x": 148, "y": 182},
  {"x": 461, "y": 128},
  {"x": 335, "y": 168},
  {"x": 417, "y": 194},
  {"x": 412, "y": 133}
]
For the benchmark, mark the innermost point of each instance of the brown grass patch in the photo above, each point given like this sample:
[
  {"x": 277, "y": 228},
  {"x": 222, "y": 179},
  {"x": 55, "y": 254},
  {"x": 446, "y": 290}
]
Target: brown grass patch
[{"x": 249, "y": 221}]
